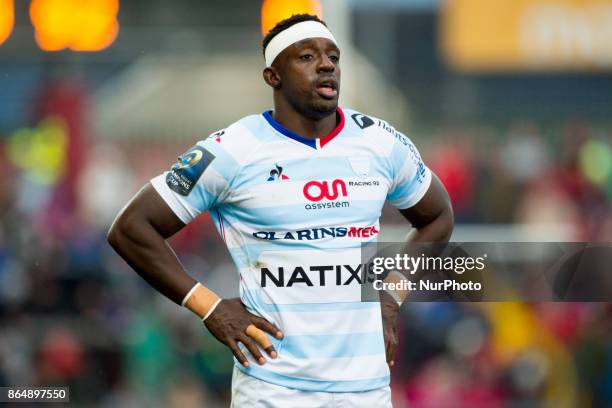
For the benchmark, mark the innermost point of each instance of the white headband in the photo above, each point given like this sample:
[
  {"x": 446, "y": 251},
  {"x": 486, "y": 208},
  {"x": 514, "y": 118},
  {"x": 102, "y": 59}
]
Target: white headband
[{"x": 293, "y": 34}]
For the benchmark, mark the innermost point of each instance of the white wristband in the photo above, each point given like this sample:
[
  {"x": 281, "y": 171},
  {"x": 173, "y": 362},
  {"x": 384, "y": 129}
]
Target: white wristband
[
  {"x": 188, "y": 295},
  {"x": 212, "y": 309},
  {"x": 395, "y": 296}
]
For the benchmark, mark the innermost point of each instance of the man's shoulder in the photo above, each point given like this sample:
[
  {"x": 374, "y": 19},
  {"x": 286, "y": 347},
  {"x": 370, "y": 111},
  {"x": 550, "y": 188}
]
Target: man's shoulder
[
  {"x": 244, "y": 127},
  {"x": 370, "y": 125},
  {"x": 238, "y": 138}
]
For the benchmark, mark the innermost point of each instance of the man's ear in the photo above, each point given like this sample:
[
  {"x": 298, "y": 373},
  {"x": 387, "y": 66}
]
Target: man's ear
[{"x": 272, "y": 77}]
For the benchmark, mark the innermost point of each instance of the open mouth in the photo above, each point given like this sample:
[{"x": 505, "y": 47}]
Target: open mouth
[{"x": 327, "y": 89}]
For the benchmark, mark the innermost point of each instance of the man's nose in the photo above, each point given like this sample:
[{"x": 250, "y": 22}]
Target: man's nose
[{"x": 326, "y": 64}]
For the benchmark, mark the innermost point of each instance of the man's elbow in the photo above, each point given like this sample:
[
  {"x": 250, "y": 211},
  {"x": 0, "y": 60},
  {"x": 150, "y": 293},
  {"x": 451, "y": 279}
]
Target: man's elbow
[
  {"x": 113, "y": 236},
  {"x": 119, "y": 231},
  {"x": 448, "y": 222}
]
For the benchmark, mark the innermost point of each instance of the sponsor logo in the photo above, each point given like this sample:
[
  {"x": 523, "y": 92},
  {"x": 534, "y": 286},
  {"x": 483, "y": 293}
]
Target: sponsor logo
[
  {"x": 414, "y": 153},
  {"x": 188, "y": 159},
  {"x": 318, "y": 190},
  {"x": 277, "y": 174},
  {"x": 362, "y": 120},
  {"x": 185, "y": 173},
  {"x": 420, "y": 171},
  {"x": 312, "y": 234},
  {"x": 217, "y": 135},
  {"x": 319, "y": 275},
  {"x": 329, "y": 204},
  {"x": 403, "y": 139},
  {"x": 369, "y": 183},
  {"x": 418, "y": 162}
]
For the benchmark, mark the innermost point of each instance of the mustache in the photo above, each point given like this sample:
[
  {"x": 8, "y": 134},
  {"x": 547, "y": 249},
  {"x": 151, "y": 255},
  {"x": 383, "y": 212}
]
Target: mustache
[{"x": 327, "y": 80}]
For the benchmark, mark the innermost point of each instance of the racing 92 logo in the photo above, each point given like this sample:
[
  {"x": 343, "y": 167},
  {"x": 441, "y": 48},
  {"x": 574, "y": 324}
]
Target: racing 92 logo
[{"x": 318, "y": 190}]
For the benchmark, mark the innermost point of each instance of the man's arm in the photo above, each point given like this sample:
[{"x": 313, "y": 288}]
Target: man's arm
[
  {"x": 432, "y": 218},
  {"x": 139, "y": 235}
]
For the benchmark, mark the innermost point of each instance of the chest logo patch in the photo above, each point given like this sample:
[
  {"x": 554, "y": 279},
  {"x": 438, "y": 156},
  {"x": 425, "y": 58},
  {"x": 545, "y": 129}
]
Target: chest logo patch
[
  {"x": 276, "y": 174},
  {"x": 360, "y": 165}
]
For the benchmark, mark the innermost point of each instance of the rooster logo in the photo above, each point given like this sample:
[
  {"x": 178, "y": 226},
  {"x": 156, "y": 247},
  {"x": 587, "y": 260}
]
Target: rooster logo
[{"x": 277, "y": 174}]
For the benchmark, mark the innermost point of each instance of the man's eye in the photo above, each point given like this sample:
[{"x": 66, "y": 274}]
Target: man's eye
[
  {"x": 306, "y": 57},
  {"x": 334, "y": 58}
]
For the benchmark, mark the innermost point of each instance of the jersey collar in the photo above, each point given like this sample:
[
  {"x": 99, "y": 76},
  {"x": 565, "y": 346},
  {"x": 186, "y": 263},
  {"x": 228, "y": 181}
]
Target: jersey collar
[{"x": 314, "y": 143}]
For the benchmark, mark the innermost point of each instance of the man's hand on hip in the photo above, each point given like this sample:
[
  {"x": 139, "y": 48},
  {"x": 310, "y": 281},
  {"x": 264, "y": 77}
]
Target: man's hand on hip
[
  {"x": 390, "y": 311},
  {"x": 230, "y": 323}
]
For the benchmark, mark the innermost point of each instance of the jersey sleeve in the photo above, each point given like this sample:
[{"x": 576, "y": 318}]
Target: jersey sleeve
[
  {"x": 198, "y": 181},
  {"x": 411, "y": 177}
]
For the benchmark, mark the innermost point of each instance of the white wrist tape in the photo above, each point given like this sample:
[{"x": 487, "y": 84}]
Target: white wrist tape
[
  {"x": 188, "y": 295},
  {"x": 395, "y": 296},
  {"x": 212, "y": 309},
  {"x": 398, "y": 295},
  {"x": 293, "y": 34}
]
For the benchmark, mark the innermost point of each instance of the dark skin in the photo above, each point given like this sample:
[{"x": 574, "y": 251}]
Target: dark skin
[
  {"x": 305, "y": 79},
  {"x": 297, "y": 76},
  {"x": 139, "y": 235}
]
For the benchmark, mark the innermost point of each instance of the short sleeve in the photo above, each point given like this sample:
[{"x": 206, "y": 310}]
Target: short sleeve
[
  {"x": 198, "y": 181},
  {"x": 411, "y": 177}
]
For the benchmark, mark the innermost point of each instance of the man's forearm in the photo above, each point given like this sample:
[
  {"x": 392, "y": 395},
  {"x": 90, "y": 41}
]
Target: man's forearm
[
  {"x": 439, "y": 230},
  {"x": 433, "y": 222}
]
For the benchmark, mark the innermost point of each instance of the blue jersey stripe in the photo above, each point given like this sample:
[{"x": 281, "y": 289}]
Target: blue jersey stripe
[
  {"x": 403, "y": 190},
  {"x": 223, "y": 162},
  {"x": 245, "y": 256},
  {"x": 200, "y": 198},
  {"x": 334, "y": 346},
  {"x": 331, "y": 346},
  {"x": 258, "y": 127},
  {"x": 252, "y": 299},
  {"x": 313, "y": 384},
  {"x": 292, "y": 216},
  {"x": 301, "y": 170}
]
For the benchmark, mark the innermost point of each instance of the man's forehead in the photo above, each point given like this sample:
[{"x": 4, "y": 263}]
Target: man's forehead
[
  {"x": 314, "y": 42},
  {"x": 317, "y": 34}
]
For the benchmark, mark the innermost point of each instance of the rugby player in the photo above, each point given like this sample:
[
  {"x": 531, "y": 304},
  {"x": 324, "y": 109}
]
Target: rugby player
[{"x": 294, "y": 193}]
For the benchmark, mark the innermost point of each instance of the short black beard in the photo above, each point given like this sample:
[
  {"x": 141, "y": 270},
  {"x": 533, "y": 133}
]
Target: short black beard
[{"x": 314, "y": 111}]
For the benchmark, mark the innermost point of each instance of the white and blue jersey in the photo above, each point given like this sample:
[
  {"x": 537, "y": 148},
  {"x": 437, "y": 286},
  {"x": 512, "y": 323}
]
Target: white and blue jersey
[{"x": 294, "y": 213}]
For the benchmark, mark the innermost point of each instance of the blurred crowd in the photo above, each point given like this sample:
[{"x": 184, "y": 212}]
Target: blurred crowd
[
  {"x": 73, "y": 313},
  {"x": 528, "y": 173}
]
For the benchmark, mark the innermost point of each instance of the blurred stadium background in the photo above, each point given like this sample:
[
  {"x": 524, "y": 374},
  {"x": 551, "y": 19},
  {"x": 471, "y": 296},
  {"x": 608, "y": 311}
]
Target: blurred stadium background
[{"x": 509, "y": 101}]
